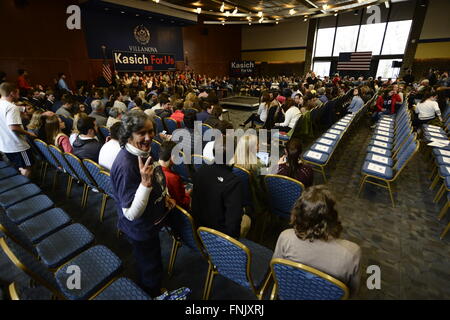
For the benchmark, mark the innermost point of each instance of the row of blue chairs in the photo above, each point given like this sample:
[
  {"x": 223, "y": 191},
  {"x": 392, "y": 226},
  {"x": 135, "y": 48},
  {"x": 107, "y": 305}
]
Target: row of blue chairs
[
  {"x": 43, "y": 242},
  {"x": 87, "y": 172},
  {"x": 243, "y": 261},
  {"x": 322, "y": 150},
  {"x": 391, "y": 147},
  {"x": 440, "y": 156}
]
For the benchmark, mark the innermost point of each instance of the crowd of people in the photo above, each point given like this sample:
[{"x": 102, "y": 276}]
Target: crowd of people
[{"x": 146, "y": 186}]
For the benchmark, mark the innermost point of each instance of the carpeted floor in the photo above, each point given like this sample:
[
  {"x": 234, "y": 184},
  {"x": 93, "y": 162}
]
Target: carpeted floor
[{"x": 403, "y": 241}]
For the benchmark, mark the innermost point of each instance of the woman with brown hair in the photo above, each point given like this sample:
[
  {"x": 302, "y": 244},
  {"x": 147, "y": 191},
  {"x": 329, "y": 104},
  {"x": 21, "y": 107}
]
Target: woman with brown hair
[
  {"x": 53, "y": 129},
  {"x": 261, "y": 116},
  {"x": 314, "y": 239}
]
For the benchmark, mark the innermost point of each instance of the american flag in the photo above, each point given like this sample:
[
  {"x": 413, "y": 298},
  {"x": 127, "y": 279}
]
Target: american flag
[
  {"x": 107, "y": 73},
  {"x": 359, "y": 61}
]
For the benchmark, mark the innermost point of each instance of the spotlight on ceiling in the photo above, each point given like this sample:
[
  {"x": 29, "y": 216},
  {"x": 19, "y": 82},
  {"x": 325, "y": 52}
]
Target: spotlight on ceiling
[
  {"x": 261, "y": 20},
  {"x": 355, "y": 13},
  {"x": 335, "y": 13},
  {"x": 249, "y": 23},
  {"x": 325, "y": 7},
  {"x": 222, "y": 7},
  {"x": 387, "y": 4},
  {"x": 223, "y": 23},
  {"x": 306, "y": 19},
  {"x": 260, "y": 14},
  {"x": 157, "y": 1},
  {"x": 235, "y": 10},
  {"x": 199, "y": 10},
  {"x": 227, "y": 13},
  {"x": 292, "y": 12}
]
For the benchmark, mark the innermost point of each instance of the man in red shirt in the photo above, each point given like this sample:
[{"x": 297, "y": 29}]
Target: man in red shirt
[
  {"x": 22, "y": 83},
  {"x": 178, "y": 114},
  {"x": 176, "y": 188}
]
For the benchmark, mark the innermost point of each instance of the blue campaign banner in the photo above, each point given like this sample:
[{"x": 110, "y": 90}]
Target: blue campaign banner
[
  {"x": 117, "y": 32},
  {"x": 126, "y": 61}
]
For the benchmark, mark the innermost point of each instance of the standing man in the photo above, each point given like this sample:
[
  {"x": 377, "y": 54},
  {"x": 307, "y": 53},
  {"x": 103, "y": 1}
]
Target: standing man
[{"x": 12, "y": 135}]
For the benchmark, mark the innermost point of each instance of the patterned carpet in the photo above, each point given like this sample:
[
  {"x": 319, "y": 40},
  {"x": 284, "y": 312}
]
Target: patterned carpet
[{"x": 404, "y": 241}]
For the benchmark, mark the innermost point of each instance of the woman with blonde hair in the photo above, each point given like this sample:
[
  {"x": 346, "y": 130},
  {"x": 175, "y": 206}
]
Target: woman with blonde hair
[
  {"x": 245, "y": 153},
  {"x": 53, "y": 129},
  {"x": 35, "y": 124}
]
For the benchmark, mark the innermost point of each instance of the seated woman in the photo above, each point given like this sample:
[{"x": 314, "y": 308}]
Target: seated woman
[
  {"x": 36, "y": 124},
  {"x": 74, "y": 134},
  {"x": 291, "y": 115},
  {"x": 261, "y": 116},
  {"x": 314, "y": 239},
  {"x": 245, "y": 153},
  {"x": 54, "y": 127},
  {"x": 291, "y": 165},
  {"x": 357, "y": 102},
  {"x": 427, "y": 109}
]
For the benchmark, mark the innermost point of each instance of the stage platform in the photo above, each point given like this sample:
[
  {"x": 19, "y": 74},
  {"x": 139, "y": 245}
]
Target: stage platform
[{"x": 240, "y": 101}]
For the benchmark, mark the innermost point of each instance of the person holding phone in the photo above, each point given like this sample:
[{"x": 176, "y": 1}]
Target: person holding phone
[{"x": 139, "y": 188}]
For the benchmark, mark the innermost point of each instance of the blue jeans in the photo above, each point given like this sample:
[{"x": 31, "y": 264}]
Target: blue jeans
[{"x": 377, "y": 115}]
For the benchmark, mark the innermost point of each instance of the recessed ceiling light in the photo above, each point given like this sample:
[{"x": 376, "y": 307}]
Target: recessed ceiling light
[
  {"x": 199, "y": 10},
  {"x": 137, "y": 14},
  {"x": 106, "y": 9},
  {"x": 122, "y": 12}
]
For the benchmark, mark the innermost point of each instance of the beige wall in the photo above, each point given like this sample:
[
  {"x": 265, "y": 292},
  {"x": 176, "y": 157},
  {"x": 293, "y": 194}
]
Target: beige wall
[
  {"x": 285, "y": 34},
  {"x": 437, "y": 22}
]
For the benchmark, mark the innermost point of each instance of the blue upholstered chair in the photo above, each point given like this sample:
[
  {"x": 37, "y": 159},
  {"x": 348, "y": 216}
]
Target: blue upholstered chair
[
  {"x": 59, "y": 155},
  {"x": 13, "y": 182},
  {"x": 122, "y": 289},
  {"x": 19, "y": 194},
  {"x": 8, "y": 172},
  {"x": 156, "y": 147},
  {"x": 94, "y": 172},
  {"x": 159, "y": 124},
  {"x": 244, "y": 176},
  {"x": 83, "y": 174},
  {"x": 295, "y": 281},
  {"x": 283, "y": 192},
  {"x": 183, "y": 233},
  {"x": 56, "y": 248},
  {"x": 99, "y": 266},
  {"x": 182, "y": 169},
  {"x": 242, "y": 262},
  {"x": 205, "y": 127},
  {"x": 170, "y": 124},
  {"x": 199, "y": 160},
  {"x": 105, "y": 131},
  {"x": 28, "y": 208},
  {"x": 49, "y": 159},
  {"x": 103, "y": 180}
]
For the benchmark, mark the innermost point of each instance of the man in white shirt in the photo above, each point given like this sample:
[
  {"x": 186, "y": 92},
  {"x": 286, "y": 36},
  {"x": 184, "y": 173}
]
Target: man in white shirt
[
  {"x": 111, "y": 148},
  {"x": 12, "y": 141}
]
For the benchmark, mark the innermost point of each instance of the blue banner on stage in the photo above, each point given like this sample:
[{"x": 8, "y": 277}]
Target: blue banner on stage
[{"x": 127, "y": 61}]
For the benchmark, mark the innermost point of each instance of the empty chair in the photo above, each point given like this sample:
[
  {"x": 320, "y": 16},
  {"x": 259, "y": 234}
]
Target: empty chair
[
  {"x": 49, "y": 159},
  {"x": 13, "y": 196},
  {"x": 242, "y": 262},
  {"x": 8, "y": 172},
  {"x": 184, "y": 233},
  {"x": 99, "y": 266},
  {"x": 94, "y": 171},
  {"x": 295, "y": 281},
  {"x": 29, "y": 208},
  {"x": 59, "y": 155},
  {"x": 205, "y": 127},
  {"x": 83, "y": 174},
  {"x": 13, "y": 182},
  {"x": 283, "y": 192},
  {"x": 104, "y": 182}
]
